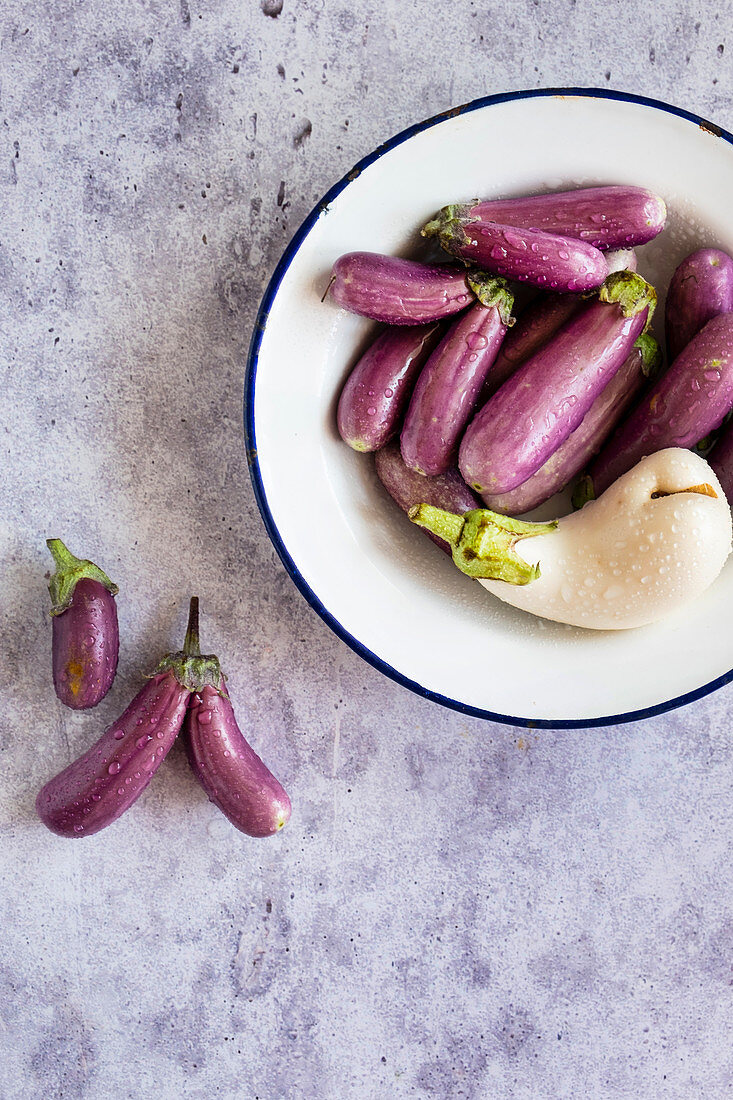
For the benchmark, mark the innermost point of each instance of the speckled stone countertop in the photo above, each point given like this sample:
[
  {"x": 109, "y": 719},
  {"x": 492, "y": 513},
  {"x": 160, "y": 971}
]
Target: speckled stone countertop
[{"x": 457, "y": 908}]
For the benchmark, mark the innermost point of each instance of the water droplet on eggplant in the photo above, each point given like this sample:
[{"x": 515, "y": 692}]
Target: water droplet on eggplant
[{"x": 476, "y": 340}]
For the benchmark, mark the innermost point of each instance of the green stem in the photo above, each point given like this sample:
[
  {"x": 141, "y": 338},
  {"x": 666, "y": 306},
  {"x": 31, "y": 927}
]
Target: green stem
[
  {"x": 69, "y": 571},
  {"x": 483, "y": 541},
  {"x": 448, "y": 226},
  {"x": 651, "y": 354},
  {"x": 583, "y": 492},
  {"x": 191, "y": 644},
  {"x": 62, "y": 556},
  {"x": 191, "y": 668},
  {"x": 446, "y": 525}
]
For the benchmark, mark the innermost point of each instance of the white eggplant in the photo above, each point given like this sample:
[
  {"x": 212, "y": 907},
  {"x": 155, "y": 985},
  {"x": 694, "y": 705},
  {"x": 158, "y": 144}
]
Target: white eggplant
[{"x": 655, "y": 540}]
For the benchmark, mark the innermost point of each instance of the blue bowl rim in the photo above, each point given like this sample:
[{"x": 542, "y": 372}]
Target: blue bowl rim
[{"x": 251, "y": 440}]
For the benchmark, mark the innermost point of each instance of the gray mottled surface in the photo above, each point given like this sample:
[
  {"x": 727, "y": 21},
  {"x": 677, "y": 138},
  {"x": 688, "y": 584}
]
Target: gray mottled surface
[{"x": 456, "y": 909}]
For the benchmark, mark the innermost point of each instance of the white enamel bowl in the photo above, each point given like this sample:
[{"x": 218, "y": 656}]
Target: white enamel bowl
[{"x": 383, "y": 587}]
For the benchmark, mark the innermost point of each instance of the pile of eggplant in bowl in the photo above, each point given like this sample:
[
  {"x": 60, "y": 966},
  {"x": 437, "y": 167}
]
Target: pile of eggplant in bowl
[{"x": 487, "y": 408}]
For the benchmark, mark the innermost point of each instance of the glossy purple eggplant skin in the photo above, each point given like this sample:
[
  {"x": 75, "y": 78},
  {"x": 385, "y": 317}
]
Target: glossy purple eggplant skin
[
  {"x": 86, "y": 637},
  {"x": 229, "y": 770},
  {"x": 407, "y": 488},
  {"x": 445, "y": 395},
  {"x": 701, "y": 288},
  {"x": 373, "y": 401},
  {"x": 536, "y": 324},
  {"x": 98, "y": 787},
  {"x": 529, "y": 256},
  {"x": 85, "y": 646},
  {"x": 616, "y": 216},
  {"x": 524, "y": 423},
  {"x": 540, "y": 320},
  {"x": 572, "y": 456},
  {"x": 721, "y": 460},
  {"x": 397, "y": 291},
  {"x": 688, "y": 401}
]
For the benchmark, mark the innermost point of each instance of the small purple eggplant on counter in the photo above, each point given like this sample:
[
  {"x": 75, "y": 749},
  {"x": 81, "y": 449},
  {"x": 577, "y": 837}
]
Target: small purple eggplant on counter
[
  {"x": 96, "y": 789},
  {"x": 537, "y": 408},
  {"x": 376, "y": 393},
  {"x": 689, "y": 400},
  {"x": 447, "y": 390},
  {"x": 701, "y": 288},
  {"x": 573, "y": 455},
  {"x": 526, "y": 255},
  {"x": 408, "y": 489},
  {"x": 229, "y": 770},
  {"x": 616, "y": 216},
  {"x": 85, "y": 633},
  {"x": 399, "y": 292}
]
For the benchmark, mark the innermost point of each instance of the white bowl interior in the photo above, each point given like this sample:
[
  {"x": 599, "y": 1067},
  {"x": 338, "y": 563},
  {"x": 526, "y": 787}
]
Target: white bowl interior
[{"x": 387, "y": 585}]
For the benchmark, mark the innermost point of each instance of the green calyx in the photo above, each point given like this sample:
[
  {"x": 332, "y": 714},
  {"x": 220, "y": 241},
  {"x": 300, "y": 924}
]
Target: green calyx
[
  {"x": 651, "y": 354},
  {"x": 191, "y": 668},
  {"x": 630, "y": 292},
  {"x": 192, "y": 672},
  {"x": 69, "y": 571},
  {"x": 583, "y": 492},
  {"x": 492, "y": 290},
  {"x": 483, "y": 541},
  {"x": 448, "y": 226}
]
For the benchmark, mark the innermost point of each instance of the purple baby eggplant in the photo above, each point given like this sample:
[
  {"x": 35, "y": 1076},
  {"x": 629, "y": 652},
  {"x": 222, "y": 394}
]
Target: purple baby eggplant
[
  {"x": 446, "y": 392},
  {"x": 377, "y": 391},
  {"x": 229, "y": 770},
  {"x": 407, "y": 488},
  {"x": 399, "y": 292},
  {"x": 527, "y": 255},
  {"x": 524, "y": 423},
  {"x": 605, "y": 217},
  {"x": 540, "y": 320},
  {"x": 537, "y": 322},
  {"x": 701, "y": 288},
  {"x": 98, "y": 787},
  {"x": 85, "y": 633},
  {"x": 572, "y": 456},
  {"x": 689, "y": 400}
]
